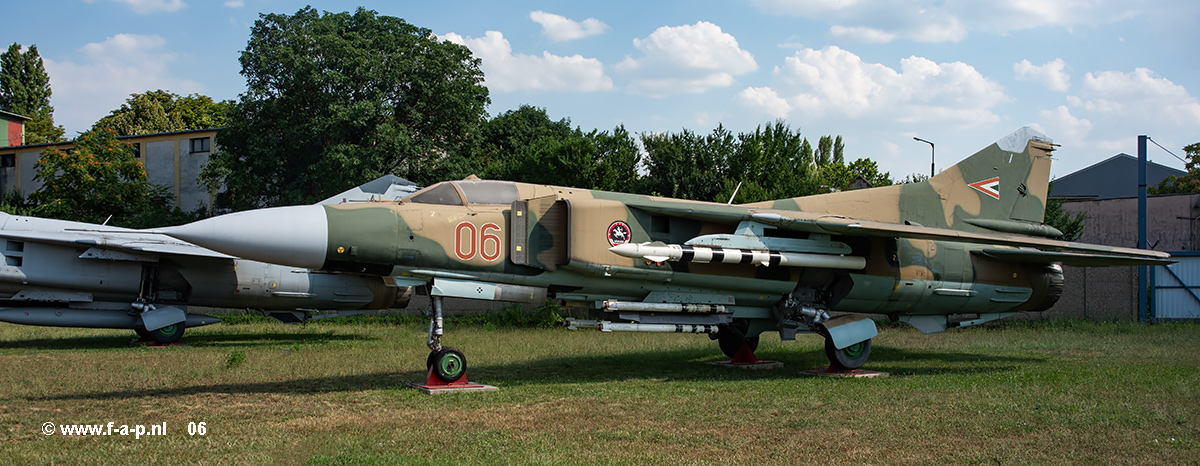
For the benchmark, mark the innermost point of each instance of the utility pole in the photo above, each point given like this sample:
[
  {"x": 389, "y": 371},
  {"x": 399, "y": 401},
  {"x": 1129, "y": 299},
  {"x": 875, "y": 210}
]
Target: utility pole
[
  {"x": 932, "y": 155},
  {"x": 1143, "y": 278}
]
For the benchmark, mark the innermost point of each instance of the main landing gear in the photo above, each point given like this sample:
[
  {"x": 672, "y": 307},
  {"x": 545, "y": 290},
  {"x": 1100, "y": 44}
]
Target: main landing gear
[
  {"x": 163, "y": 336},
  {"x": 848, "y": 358}
]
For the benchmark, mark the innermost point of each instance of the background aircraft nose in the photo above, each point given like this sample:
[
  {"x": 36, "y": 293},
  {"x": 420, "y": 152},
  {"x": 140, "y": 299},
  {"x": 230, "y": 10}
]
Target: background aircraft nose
[{"x": 296, "y": 235}]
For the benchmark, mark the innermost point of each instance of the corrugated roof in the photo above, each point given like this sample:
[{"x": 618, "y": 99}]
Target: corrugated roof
[{"x": 1113, "y": 177}]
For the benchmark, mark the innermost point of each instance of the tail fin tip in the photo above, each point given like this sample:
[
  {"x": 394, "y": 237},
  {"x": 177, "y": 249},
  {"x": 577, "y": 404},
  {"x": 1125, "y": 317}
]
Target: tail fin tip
[{"x": 1019, "y": 139}]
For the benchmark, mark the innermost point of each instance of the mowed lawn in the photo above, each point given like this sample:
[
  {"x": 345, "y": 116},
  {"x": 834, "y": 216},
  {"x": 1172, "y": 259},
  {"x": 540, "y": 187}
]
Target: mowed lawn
[{"x": 336, "y": 393}]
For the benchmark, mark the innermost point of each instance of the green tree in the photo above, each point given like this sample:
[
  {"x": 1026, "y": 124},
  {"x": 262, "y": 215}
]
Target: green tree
[
  {"x": 824, "y": 151},
  {"x": 1071, "y": 225},
  {"x": 25, "y": 90},
  {"x": 526, "y": 145},
  {"x": 506, "y": 138},
  {"x": 336, "y": 99},
  {"x": 839, "y": 149},
  {"x": 160, "y": 111},
  {"x": 97, "y": 178},
  {"x": 1189, "y": 183},
  {"x": 687, "y": 165},
  {"x": 773, "y": 162},
  {"x": 839, "y": 176}
]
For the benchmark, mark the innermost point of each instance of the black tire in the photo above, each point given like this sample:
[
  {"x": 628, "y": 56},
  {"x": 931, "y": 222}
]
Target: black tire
[
  {"x": 850, "y": 357},
  {"x": 143, "y": 334},
  {"x": 449, "y": 364},
  {"x": 166, "y": 335},
  {"x": 731, "y": 337}
]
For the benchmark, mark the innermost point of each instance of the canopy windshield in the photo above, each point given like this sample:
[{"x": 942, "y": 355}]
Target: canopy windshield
[{"x": 465, "y": 192}]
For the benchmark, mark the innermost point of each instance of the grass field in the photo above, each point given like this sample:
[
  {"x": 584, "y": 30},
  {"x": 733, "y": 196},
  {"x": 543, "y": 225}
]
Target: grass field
[{"x": 336, "y": 393}]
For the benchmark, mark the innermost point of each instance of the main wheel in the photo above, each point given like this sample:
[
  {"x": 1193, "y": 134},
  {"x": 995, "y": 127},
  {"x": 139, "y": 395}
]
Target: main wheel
[
  {"x": 850, "y": 357},
  {"x": 731, "y": 337},
  {"x": 448, "y": 364},
  {"x": 166, "y": 335}
]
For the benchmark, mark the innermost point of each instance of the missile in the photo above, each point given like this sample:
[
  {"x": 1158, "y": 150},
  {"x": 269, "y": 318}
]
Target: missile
[
  {"x": 674, "y": 252},
  {"x": 606, "y": 326},
  {"x": 612, "y": 306}
]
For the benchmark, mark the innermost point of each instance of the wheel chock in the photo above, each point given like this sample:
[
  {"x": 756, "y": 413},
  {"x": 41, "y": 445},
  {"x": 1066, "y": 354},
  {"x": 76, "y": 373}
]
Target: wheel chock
[
  {"x": 830, "y": 371},
  {"x": 435, "y": 386},
  {"x": 744, "y": 358}
]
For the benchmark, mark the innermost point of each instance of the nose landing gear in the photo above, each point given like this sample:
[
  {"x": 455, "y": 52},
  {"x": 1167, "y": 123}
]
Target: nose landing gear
[{"x": 446, "y": 367}]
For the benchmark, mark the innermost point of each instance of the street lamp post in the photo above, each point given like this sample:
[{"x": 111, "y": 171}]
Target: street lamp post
[{"x": 932, "y": 155}]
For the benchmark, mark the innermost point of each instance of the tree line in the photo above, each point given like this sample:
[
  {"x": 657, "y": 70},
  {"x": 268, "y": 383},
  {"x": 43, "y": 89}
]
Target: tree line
[
  {"x": 337, "y": 99},
  {"x": 334, "y": 100}
]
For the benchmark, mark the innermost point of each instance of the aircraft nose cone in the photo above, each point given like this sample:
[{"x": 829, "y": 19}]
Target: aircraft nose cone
[{"x": 296, "y": 235}]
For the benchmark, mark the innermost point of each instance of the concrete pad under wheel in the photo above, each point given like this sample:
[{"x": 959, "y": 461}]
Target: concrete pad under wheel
[
  {"x": 853, "y": 373},
  {"x": 458, "y": 388},
  {"x": 756, "y": 365}
]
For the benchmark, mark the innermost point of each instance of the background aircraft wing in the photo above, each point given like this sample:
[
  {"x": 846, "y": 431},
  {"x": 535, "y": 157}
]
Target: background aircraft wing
[{"x": 133, "y": 242}]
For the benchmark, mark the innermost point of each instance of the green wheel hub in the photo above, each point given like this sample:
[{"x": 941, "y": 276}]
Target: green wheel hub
[
  {"x": 451, "y": 365},
  {"x": 448, "y": 364},
  {"x": 855, "y": 350}
]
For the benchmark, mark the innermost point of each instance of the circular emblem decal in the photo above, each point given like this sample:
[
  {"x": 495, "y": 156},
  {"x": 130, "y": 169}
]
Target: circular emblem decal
[{"x": 618, "y": 233}]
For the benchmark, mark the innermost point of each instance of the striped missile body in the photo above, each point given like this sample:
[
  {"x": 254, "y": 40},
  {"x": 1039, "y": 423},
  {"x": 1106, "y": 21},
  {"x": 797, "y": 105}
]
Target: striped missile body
[{"x": 657, "y": 252}]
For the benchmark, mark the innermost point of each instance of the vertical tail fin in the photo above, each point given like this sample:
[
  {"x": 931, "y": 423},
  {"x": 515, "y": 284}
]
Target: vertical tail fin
[{"x": 1002, "y": 187}]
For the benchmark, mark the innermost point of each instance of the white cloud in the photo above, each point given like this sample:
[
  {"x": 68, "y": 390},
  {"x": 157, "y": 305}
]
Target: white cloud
[
  {"x": 686, "y": 59},
  {"x": 111, "y": 70},
  {"x": 765, "y": 99},
  {"x": 559, "y": 28},
  {"x": 145, "y": 7},
  {"x": 507, "y": 72},
  {"x": 1066, "y": 128},
  {"x": 941, "y": 21},
  {"x": 861, "y": 34},
  {"x": 1140, "y": 94},
  {"x": 234, "y": 4},
  {"x": 833, "y": 81},
  {"x": 1052, "y": 74}
]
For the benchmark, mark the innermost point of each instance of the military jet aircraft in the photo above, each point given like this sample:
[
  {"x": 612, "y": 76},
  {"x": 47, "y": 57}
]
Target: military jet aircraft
[
  {"x": 72, "y": 274},
  {"x": 965, "y": 247}
]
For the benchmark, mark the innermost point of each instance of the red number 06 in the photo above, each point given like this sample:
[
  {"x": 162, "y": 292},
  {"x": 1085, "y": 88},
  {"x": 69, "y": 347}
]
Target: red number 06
[{"x": 489, "y": 244}]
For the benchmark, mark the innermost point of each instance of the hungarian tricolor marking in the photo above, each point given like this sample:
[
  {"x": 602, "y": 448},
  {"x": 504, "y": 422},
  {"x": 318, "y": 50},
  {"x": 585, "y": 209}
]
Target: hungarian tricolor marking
[{"x": 990, "y": 186}]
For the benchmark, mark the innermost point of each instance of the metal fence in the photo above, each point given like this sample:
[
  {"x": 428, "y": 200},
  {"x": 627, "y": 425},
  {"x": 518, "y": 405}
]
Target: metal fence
[{"x": 1175, "y": 288}]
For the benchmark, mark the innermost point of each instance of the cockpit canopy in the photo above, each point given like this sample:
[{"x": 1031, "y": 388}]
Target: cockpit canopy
[{"x": 467, "y": 192}]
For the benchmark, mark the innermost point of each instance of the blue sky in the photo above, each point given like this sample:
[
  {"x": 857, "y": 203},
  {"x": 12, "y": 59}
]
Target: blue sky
[{"x": 1090, "y": 74}]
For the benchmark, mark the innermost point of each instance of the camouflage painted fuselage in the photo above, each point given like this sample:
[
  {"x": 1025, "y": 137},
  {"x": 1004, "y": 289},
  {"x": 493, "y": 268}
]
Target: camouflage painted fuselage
[{"x": 558, "y": 239}]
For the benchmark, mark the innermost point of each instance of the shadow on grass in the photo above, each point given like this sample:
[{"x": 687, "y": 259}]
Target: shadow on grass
[
  {"x": 674, "y": 365},
  {"x": 216, "y": 340}
]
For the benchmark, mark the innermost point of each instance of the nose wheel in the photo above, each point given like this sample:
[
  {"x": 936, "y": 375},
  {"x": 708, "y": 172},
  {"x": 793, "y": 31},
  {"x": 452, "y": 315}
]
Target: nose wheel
[
  {"x": 446, "y": 367},
  {"x": 447, "y": 364}
]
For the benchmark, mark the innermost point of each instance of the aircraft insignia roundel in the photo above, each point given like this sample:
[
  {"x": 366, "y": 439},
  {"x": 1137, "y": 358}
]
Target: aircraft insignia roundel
[
  {"x": 990, "y": 186},
  {"x": 618, "y": 233}
]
